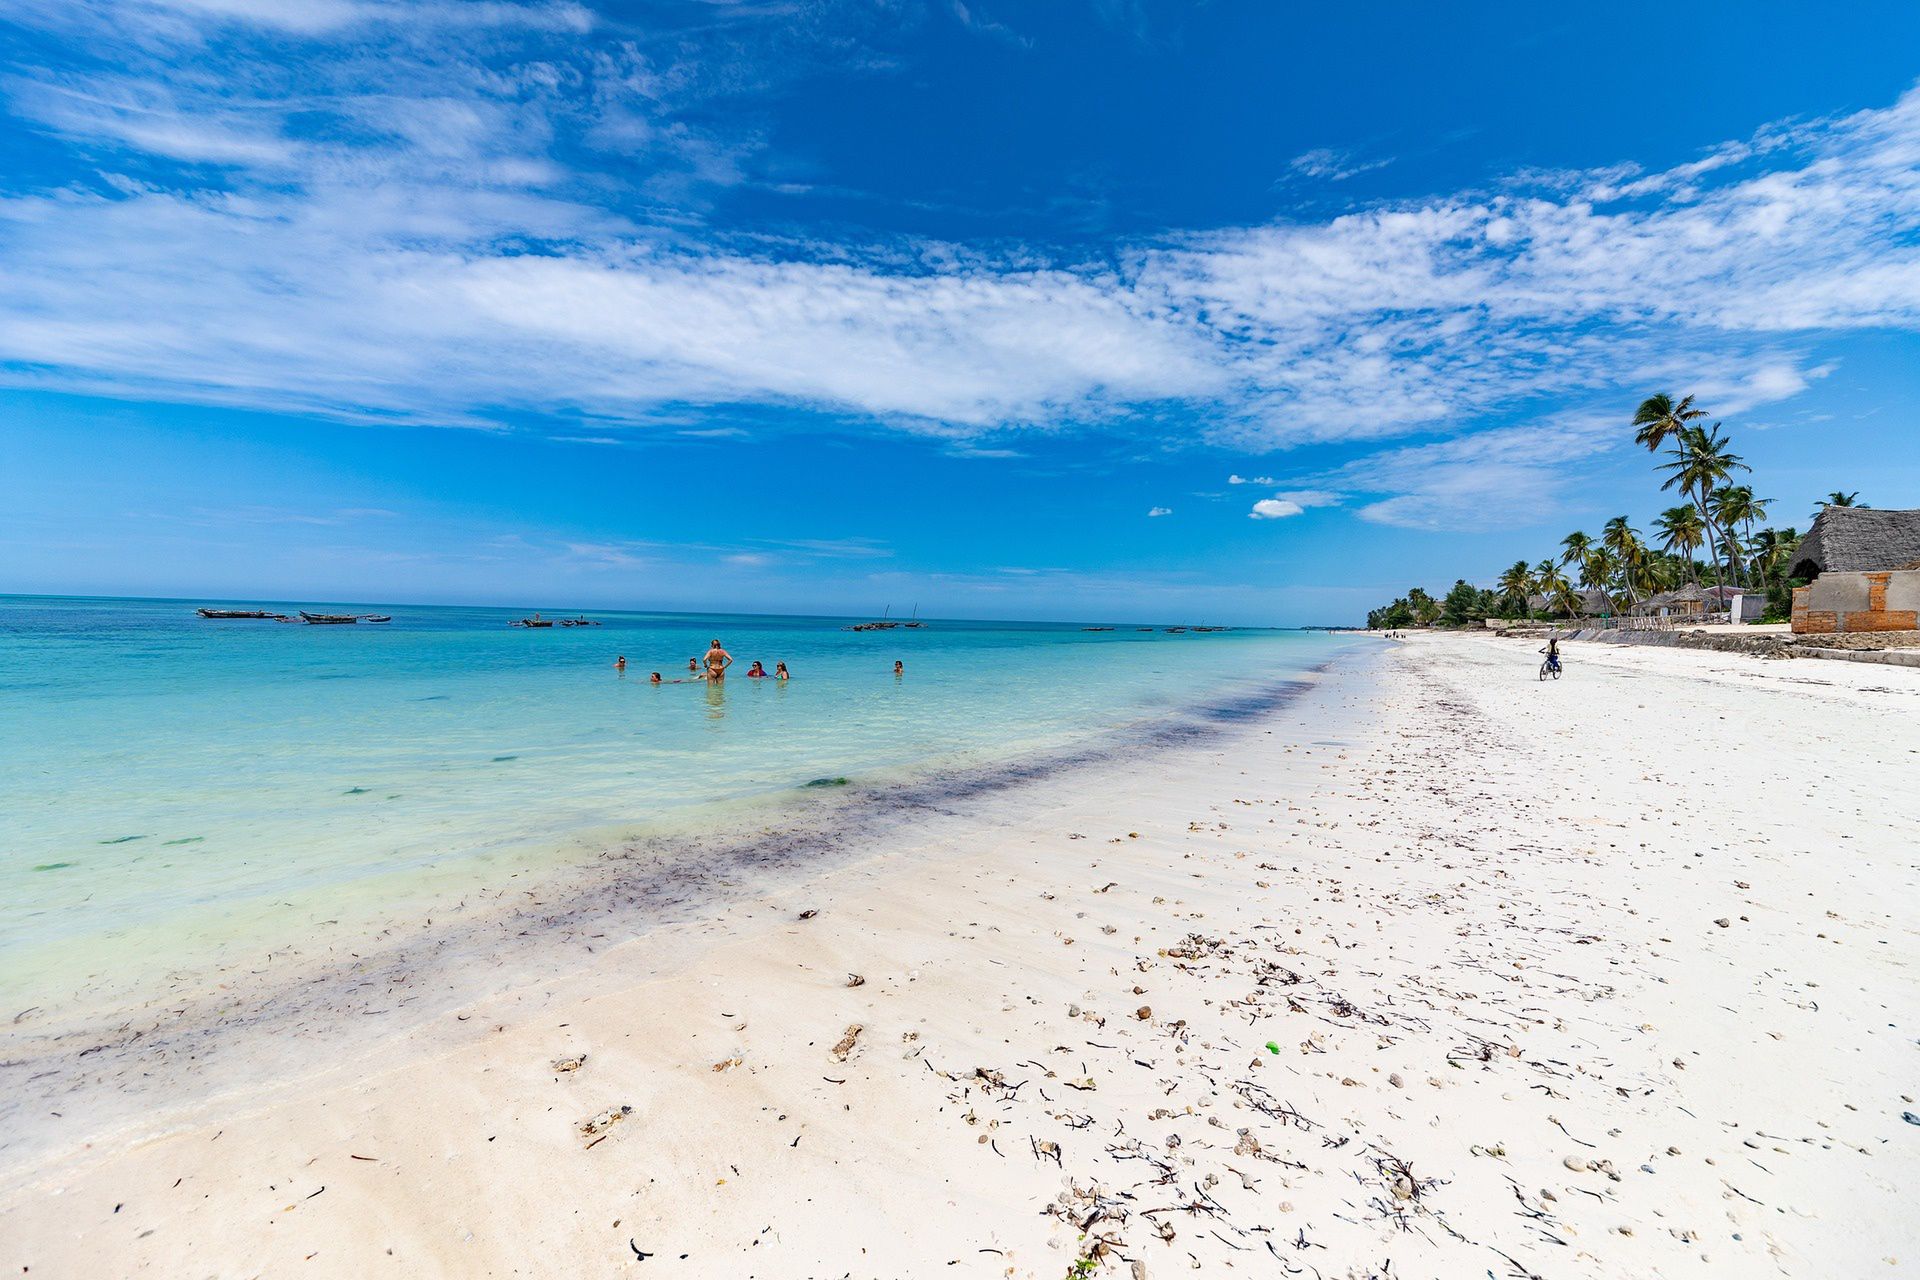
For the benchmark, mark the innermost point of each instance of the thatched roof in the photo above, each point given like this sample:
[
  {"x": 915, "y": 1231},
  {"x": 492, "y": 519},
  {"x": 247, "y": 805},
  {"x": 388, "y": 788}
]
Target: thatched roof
[{"x": 1857, "y": 540}]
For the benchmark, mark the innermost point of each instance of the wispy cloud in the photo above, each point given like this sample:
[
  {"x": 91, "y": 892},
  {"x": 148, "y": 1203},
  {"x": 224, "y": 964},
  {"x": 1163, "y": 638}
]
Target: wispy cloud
[
  {"x": 1156, "y": 512},
  {"x": 1333, "y": 164}
]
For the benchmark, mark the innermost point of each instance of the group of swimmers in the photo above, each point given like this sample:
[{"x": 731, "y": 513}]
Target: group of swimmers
[{"x": 717, "y": 662}]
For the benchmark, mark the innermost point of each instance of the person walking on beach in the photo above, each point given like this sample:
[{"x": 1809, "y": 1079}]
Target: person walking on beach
[{"x": 718, "y": 660}]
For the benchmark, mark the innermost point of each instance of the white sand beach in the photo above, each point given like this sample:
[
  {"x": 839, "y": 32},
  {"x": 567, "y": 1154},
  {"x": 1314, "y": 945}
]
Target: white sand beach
[{"x": 1438, "y": 971}]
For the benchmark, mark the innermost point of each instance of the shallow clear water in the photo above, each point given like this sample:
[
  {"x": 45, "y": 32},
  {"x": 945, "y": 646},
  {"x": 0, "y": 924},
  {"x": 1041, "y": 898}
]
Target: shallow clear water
[{"x": 165, "y": 778}]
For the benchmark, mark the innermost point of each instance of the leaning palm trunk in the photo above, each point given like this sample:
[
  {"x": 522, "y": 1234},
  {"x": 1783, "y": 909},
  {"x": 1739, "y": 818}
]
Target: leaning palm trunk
[{"x": 1713, "y": 541}]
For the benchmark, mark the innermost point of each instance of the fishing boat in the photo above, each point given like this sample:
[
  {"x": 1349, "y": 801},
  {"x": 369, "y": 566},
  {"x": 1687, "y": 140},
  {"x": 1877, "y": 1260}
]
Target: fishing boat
[
  {"x": 329, "y": 619},
  {"x": 377, "y": 617},
  {"x": 535, "y": 621},
  {"x": 578, "y": 622},
  {"x": 261, "y": 614}
]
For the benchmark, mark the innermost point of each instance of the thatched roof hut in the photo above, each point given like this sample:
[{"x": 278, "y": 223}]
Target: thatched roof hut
[{"x": 1857, "y": 540}]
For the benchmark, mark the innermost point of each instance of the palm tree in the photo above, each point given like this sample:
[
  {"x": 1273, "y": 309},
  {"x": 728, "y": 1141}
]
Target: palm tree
[
  {"x": 1553, "y": 585},
  {"x": 1574, "y": 548},
  {"x": 1772, "y": 549},
  {"x": 1839, "y": 498},
  {"x": 1603, "y": 571},
  {"x": 1681, "y": 532},
  {"x": 1516, "y": 584},
  {"x": 1665, "y": 573},
  {"x": 1660, "y": 420},
  {"x": 1623, "y": 540},
  {"x": 1701, "y": 462},
  {"x": 1734, "y": 506}
]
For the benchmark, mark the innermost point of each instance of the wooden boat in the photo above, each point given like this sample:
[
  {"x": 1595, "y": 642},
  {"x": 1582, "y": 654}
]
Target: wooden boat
[
  {"x": 377, "y": 617},
  {"x": 329, "y": 619},
  {"x": 535, "y": 621},
  {"x": 1096, "y": 628},
  {"x": 578, "y": 622},
  {"x": 261, "y": 614}
]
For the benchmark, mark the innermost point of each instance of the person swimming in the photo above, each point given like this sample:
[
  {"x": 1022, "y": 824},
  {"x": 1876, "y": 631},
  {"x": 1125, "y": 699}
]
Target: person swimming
[
  {"x": 718, "y": 660},
  {"x": 756, "y": 671},
  {"x": 620, "y": 664},
  {"x": 780, "y": 671},
  {"x": 654, "y": 678},
  {"x": 899, "y": 667}
]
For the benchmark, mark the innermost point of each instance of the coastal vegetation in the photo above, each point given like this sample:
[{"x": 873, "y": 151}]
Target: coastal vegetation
[{"x": 1715, "y": 537}]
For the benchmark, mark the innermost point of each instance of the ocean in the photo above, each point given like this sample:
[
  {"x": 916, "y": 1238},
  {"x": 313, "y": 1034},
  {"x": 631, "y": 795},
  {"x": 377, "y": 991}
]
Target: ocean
[{"x": 181, "y": 792}]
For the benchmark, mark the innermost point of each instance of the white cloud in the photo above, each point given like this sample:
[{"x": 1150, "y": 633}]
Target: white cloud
[
  {"x": 409, "y": 241},
  {"x": 1160, "y": 511},
  {"x": 1504, "y": 478},
  {"x": 1304, "y": 498},
  {"x": 1274, "y": 509},
  {"x": 1259, "y": 480}
]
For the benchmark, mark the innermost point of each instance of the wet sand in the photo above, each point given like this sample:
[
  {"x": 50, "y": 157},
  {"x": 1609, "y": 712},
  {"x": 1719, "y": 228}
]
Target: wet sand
[{"x": 1433, "y": 971}]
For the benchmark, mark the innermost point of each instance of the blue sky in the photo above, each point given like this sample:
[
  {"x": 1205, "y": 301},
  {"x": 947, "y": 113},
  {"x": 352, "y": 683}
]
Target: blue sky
[{"x": 1253, "y": 313}]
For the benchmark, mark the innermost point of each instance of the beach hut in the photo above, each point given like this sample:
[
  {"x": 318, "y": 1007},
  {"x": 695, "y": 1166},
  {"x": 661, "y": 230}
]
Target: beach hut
[
  {"x": 1857, "y": 540},
  {"x": 1684, "y": 603},
  {"x": 1865, "y": 571}
]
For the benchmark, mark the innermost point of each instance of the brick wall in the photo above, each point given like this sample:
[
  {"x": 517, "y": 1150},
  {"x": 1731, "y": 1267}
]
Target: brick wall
[{"x": 1843, "y": 593}]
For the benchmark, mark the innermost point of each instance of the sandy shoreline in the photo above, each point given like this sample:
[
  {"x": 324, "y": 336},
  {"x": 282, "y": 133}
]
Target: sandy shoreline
[{"x": 1612, "y": 976}]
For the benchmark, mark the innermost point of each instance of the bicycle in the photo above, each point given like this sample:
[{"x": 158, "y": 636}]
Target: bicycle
[{"x": 1551, "y": 667}]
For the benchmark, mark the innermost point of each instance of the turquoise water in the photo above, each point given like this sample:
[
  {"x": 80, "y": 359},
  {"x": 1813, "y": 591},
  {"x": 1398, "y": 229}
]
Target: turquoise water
[{"x": 173, "y": 785}]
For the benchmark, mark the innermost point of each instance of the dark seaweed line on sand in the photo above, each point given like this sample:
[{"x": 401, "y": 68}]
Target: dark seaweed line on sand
[{"x": 176, "y": 1054}]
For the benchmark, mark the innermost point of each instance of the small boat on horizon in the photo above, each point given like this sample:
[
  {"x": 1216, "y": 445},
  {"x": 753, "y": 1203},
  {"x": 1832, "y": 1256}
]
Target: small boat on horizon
[
  {"x": 332, "y": 619},
  {"x": 261, "y": 614}
]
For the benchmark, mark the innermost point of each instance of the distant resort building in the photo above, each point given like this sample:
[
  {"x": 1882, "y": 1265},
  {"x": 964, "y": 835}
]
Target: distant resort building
[
  {"x": 1740, "y": 604},
  {"x": 1593, "y": 603},
  {"x": 1865, "y": 567},
  {"x": 1687, "y": 602}
]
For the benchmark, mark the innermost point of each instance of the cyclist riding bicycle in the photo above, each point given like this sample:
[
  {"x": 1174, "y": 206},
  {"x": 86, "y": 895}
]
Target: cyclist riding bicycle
[{"x": 1553, "y": 654}]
